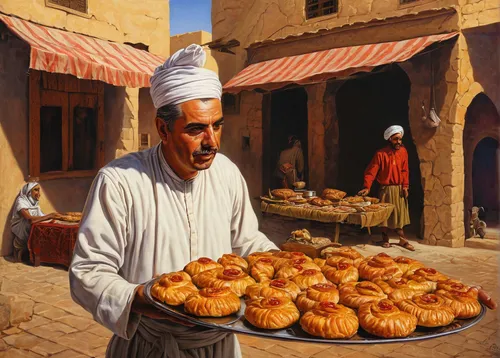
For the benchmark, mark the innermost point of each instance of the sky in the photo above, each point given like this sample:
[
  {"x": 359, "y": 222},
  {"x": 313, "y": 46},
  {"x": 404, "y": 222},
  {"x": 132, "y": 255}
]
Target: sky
[{"x": 189, "y": 16}]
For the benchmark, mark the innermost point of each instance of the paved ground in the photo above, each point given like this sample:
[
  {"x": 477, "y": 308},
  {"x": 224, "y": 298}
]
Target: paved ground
[{"x": 60, "y": 328}]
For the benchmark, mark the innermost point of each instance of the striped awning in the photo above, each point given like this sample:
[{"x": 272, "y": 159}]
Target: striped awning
[
  {"x": 85, "y": 57},
  {"x": 320, "y": 66}
]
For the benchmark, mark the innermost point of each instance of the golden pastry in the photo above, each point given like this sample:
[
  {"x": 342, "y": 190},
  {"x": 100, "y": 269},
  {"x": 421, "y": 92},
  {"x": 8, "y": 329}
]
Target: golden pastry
[
  {"x": 308, "y": 278},
  {"x": 320, "y": 202},
  {"x": 345, "y": 252},
  {"x": 283, "y": 258},
  {"x": 236, "y": 279},
  {"x": 213, "y": 302},
  {"x": 428, "y": 274},
  {"x": 379, "y": 266},
  {"x": 202, "y": 264},
  {"x": 295, "y": 267},
  {"x": 463, "y": 304},
  {"x": 283, "y": 193},
  {"x": 173, "y": 288},
  {"x": 333, "y": 194},
  {"x": 330, "y": 320},
  {"x": 341, "y": 272},
  {"x": 431, "y": 310},
  {"x": 319, "y": 262},
  {"x": 456, "y": 285},
  {"x": 408, "y": 265},
  {"x": 262, "y": 269},
  {"x": 233, "y": 260},
  {"x": 271, "y": 313},
  {"x": 384, "y": 319},
  {"x": 273, "y": 288},
  {"x": 257, "y": 255},
  {"x": 321, "y": 292},
  {"x": 400, "y": 288},
  {"x": 354, "y": 294}
]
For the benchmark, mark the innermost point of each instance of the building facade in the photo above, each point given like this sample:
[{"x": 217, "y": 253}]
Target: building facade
[
  {"x": 61, "y": 127},
  {"x": 340, "y": 119}
]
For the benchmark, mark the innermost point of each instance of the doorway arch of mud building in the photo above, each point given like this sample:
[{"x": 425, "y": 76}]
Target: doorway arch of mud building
[
  {"x": 482, "y": 160},
  {"x": 366, "y": 106}
]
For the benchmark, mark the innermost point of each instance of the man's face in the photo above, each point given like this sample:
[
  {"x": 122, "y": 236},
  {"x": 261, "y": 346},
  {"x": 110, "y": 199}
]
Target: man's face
[
  {"x": 195, "y": 138},
  {"x": 396, "y": 141},
  {"x": 36, "y": 192}
]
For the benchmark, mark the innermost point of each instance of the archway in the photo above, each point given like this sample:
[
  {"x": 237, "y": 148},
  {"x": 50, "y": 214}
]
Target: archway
[{"x": 366, "y": 107}]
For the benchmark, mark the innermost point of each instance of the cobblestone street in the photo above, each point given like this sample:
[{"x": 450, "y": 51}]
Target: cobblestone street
[{"x": 60, "y": 328}]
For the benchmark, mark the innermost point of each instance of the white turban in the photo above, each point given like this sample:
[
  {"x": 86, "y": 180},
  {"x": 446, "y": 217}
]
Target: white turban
[
  {"x": 182, "y": 78},
  {"x": 389, "y": 132}
]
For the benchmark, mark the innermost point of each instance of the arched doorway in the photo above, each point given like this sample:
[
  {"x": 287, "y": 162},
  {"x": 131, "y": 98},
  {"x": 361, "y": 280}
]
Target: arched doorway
[
  {"x": 365, "y": 108},
  {"x": 481, "y": 160}
]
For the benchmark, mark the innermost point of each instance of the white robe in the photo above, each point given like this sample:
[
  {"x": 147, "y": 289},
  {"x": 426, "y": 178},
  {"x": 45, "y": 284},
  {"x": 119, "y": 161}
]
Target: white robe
[{"x": 141, "y": 219}]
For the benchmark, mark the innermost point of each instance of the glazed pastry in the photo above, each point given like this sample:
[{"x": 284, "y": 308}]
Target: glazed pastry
[
  {"x": 354, "y": 294},
  {"x": 463, "y": 304},
  {"x": 333, "y": 194},
  {"x": 330, "y": 320},
  {"x": 234, "y": 278},
  {"x": 379, "y": 266},
  {"x": 431, "y": 310},
  {"x": 233, "y": 260},
  {"x": 262, "y": 269},
  {"x": 271, "y": 313},
  {"x": 320, "y": 202},
  {"x": 407, "y": 265},
  {"x": 202, "y": 264},
  {"x": 343, "y": 251},
  {"x": 400, "y": 288},
  {"x": 319, "y": 262},
  {"x": 295, "y": 267},
  {"x": 341, "y": 272},
  {"x": 428, "y": 274},
  {"x": 307, "y": 278},
  {"x": 257, "y": 255},
  {"x": 456, "y": 285},
  {"x": 213, "y": 302},
  {"x": 283, "y": 258},
  {"x": 273, "y": 288},
  {"x": 384, "y": 319},
  {"x": 173, "y": 288},
  {"x": 321, "y": 292},
  {"x": 283, "y": 193}
]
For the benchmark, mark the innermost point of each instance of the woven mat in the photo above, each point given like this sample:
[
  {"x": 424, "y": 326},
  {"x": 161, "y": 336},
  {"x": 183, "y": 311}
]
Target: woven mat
[{"x": 367, "y": 219}]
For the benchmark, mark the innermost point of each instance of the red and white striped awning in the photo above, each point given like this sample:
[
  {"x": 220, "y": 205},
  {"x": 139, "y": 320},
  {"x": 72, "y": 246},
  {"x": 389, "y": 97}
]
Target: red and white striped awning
[
  {"x": 85, "y": 57},
  {"x": 320, "y": 66}
]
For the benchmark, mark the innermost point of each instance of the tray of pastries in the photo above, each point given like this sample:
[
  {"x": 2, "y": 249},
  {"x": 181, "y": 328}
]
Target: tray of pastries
[
  {"x": 340, "y": 298},
  {"x": 69, "y": 216}
]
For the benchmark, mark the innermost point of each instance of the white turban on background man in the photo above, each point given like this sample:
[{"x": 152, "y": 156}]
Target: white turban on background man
[
  {"x": 389, "y": 132},
  {"x": 182, "y": 78}
]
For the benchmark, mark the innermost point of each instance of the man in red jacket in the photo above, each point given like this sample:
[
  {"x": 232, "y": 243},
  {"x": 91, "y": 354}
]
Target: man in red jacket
[{"x": 389, "y": 167}]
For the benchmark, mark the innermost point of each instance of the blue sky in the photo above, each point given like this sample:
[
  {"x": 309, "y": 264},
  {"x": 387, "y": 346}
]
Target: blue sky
[{"x": 189, "y": 16}]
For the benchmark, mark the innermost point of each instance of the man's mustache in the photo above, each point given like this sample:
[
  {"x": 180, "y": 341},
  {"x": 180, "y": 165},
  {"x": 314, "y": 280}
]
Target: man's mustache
[{"x": 205, "y": 151}]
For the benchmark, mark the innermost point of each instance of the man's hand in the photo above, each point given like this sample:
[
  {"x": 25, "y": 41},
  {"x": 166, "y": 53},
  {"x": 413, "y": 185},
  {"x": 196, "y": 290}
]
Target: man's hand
[
  {"x": 364, "y": 192},
  {"x": 141, "y": 305},
  {"x": 405, "y": 193}
]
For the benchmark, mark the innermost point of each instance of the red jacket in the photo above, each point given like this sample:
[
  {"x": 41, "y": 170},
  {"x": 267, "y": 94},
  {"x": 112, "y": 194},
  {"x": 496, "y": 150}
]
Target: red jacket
[{"x": 389, "y": 167}]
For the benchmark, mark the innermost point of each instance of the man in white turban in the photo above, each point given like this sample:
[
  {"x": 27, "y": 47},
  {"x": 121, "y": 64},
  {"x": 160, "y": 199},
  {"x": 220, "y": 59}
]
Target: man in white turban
[
  {"x": 154, "y": 211},
  {"x": 389, "y": 167}
]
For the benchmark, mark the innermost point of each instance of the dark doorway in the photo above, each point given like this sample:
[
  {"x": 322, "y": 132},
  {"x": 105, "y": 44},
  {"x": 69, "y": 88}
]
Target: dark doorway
[
  {"x": 366, "y": 106},
  {"x": 288, "y": 117},
  {"x": 485, "y": 177}
]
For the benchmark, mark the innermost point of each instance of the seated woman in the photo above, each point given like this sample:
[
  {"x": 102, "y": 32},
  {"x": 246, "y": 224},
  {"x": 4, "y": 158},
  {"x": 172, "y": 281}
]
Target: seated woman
[{"x": 26, "y": 212}]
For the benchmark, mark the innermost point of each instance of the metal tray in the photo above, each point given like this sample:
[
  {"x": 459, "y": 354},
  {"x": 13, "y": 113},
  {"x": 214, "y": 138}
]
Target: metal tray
[{"x": 237, "y": 323}]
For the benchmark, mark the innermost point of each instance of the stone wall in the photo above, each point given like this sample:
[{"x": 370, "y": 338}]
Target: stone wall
[
  {"x": 474, "y": 13},
  {"x": 147, "y": 115},
  {"x": 121, "y": 21}
]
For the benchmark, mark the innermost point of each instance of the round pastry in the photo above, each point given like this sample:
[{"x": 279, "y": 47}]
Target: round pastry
[
  {"x": 308, "y": 278},
  {"x": 384, "y": 319},
  {"x": 283, "y": 194},
  {"x": 456, "y": 285},
  {"x": 330, "y": 320},
  {"x": 463, "y": 304},
  {"x": 431, "y": 310},
  {"x": 234, "y": 278},
  {"x": 273, "y": 288},
  {"x": 257, "y": 255},
  {"x": 400, "y": 288},
  {"x": 173, "y": 288},
  {"x": 271, "y": 313},
  {"x": 262, "y": 269},
  {"x": 341, "y": 272},
  {"x": 295, "y": 267},
  {"x": 333, "y": 194},
  {"x": 319, "y": 262},
  {"x": 408, "y": 265},
  {"x": 202, "y": 264},
  {"x": 379, "y": 266},
  {"x": 320, "y": 202},
  {"x": 283, "y": 258},
  {"x": 354, "y": 294},
  {"x": 213, "y": 302},
  {"x": 428, "y": 274},
  {"x": 343, "y": 251},
  {"x": 233, "y": 260},
  {"x": 321, "y": 292}
]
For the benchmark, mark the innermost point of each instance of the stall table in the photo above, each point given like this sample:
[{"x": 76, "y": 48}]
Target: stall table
[
  {"x": 52, "y": 242},
  {"x": 363, "y": 219}
]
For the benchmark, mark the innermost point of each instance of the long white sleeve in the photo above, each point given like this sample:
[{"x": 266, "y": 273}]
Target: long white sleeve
[
  {"x": 94, "y": 276},
  {"x": 245, "y": 235}
]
